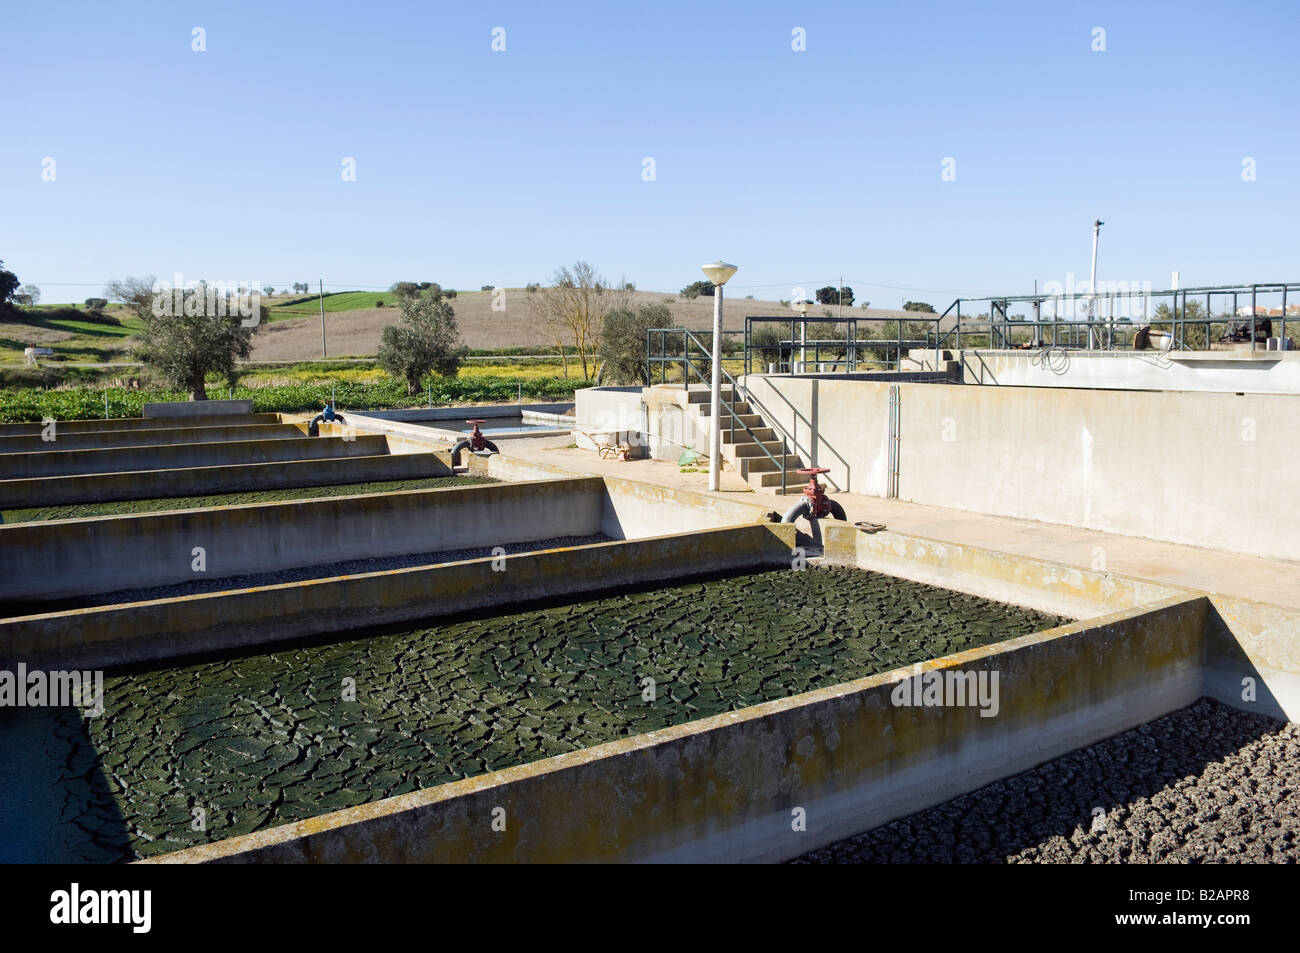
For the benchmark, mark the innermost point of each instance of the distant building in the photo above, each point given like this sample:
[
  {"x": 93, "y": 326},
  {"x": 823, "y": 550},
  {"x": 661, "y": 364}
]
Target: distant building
[{"x": 1292, "y": 310}]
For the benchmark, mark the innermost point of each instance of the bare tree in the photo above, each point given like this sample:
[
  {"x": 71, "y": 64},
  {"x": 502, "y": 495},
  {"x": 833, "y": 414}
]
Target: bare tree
[
  {"x": 574, "y": 307},
  {"x": 136, "y": 293}
]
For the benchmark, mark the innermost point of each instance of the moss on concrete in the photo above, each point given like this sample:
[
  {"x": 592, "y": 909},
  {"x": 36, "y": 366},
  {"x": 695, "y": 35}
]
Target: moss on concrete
[
  {"x": 276, "y": 737},
  {"x": 127, "y": 507}
]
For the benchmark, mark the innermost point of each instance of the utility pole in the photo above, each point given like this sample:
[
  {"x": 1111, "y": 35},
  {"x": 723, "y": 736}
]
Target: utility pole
[{"x": 321, "y": 282}]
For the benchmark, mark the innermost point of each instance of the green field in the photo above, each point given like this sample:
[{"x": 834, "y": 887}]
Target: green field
[
  {"x": 335, "y": 301},
  {"x": 126, "y": 507},
  {"x": 81, "y": 403}
]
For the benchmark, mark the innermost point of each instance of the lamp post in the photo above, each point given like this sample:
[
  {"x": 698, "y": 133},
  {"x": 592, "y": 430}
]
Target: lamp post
[
  {"x": 1092, "y": 286},
  {"x": 719, "y": 272}
]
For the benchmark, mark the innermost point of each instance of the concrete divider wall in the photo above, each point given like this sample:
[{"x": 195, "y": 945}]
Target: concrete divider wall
[
  {"x": 170, "y": 628},
  {"x": 18, "y": 466},
  {"x": 34, "y": 429},
  {"x": 633, "y": 508},
  {"x": 198, "y": 408},
  {"x": 1198, "y": 468},
  {"x": 1253, "y": 657},
  {"x": 60, "y": 559},
  {"x": 725, "y": 788},
  {"x": 148, "y": 437},
  {"x": 160, "y": 484},
  {"x": 1021, "y": 580}
]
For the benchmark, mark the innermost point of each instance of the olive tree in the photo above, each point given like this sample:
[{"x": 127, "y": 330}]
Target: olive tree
[
  {"x": 424, "y": 340},
  {"x": 623, "y": 341},
  {"x": 189, "y": 334}
]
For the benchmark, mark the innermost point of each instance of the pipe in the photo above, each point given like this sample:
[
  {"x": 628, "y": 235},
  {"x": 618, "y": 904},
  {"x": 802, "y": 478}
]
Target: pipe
[
  {"x": 313, "y": 428},
  {"x": 803, "y": 508},
  {"x": 464, "y": 443}
]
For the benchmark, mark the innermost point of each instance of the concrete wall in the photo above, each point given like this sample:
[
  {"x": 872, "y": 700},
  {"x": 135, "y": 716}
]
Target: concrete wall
[
  {"x": 1214, "y": 470},
  {"x": 18, "y": 466},
  {"x": 458, "y": 415},
  {"x": 1253, "y": 657},
  {"x": 725, "y": 788},
  {"x": 419, "y": 428},
  {"x": 146, "y": 437},
  {"x": 34, "y": 429},
  {"x": 169, "y": 628},
  {"x": 633, "y": 508},
  {"x": 1263, "y": 372},
  {"x": 198, "y": 408},
  {"x": 1020, "y": 580},
  {"x": 671, "y": 426},
  {"x": 160, "y": 484},
  {"x": 41, "y": 561},
  {"x": 609, "y": 408}
]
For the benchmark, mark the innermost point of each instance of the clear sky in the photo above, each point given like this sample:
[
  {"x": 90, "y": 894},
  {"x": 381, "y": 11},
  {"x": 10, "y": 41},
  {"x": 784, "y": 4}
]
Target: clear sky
[{"x": 481, "y": 167}]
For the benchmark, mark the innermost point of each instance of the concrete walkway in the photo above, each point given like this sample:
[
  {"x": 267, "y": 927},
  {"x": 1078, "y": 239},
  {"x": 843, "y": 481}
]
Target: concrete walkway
[{"x": 1267, "y": 580}]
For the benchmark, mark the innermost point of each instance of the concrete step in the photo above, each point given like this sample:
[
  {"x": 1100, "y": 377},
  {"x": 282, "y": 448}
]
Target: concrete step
[
  {"x": 704, "y": 396},
  {"x": 748, "y": 465},
  {"x": 753, "y": 420},
  {"x": 751, "y": 449},
  {"x": 742, "y": 436},
  {"x": 771, "y": 482}
]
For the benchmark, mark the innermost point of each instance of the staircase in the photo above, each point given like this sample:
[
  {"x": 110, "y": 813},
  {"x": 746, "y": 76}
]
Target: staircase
[{"x": 756, "y": 454}]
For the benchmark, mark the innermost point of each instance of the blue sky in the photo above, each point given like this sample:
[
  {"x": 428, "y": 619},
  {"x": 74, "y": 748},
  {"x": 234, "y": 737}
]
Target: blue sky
[{"x": 479, "y": 167}]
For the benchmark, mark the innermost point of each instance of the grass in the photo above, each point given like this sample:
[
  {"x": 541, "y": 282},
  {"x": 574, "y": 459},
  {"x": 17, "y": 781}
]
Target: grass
[
  {"x": 79, "y": 403},
  {"x": 336, "y": 301},
  {"x": 87, "y": 341},
  {"x": 127, "y": 507}
]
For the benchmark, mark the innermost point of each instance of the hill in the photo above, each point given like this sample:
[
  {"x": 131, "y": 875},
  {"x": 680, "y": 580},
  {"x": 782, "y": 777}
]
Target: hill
[{"x": 356, "y": 333}]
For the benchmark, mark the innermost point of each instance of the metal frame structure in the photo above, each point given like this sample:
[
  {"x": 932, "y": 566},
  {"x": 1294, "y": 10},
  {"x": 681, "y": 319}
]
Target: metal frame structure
[
  {"x": 849, "y": 345},
  {"x": 1104, "y": 331}
]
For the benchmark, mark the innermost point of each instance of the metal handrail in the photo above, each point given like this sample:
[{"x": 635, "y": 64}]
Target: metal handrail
[{"x": 688, "y": 337}]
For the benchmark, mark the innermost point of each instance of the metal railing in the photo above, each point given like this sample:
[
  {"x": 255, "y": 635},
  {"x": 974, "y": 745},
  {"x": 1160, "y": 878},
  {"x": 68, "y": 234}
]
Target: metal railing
[
  {"x": 849, "y": 350},
  {"x": 1111, "y": 316},
  {"x": 689, "y": 345}
]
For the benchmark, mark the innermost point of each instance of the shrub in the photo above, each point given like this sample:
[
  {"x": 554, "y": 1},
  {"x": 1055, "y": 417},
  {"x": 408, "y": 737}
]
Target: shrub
[{"x": 623, "y": 341}]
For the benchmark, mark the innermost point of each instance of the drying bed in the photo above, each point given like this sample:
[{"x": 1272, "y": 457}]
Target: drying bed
[
  {"x": 74, "y": 511},
  {"x": 262, "y": 740},
  {"x": 1205, "y": 784}
]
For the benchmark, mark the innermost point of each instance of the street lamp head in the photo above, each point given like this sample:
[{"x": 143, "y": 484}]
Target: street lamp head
[
  {"x": 801, "y": 306},
  {"x": 719, "y": 272}
]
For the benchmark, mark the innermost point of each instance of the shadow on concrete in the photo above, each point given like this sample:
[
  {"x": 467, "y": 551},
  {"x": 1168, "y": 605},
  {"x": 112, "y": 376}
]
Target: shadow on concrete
[{"x": 55, "y": 802}]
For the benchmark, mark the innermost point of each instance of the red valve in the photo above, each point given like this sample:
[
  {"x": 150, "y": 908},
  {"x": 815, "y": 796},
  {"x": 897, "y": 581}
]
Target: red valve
[
  {"x": 818, "y": 503},
  {"x": 476, "y": 439}
]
